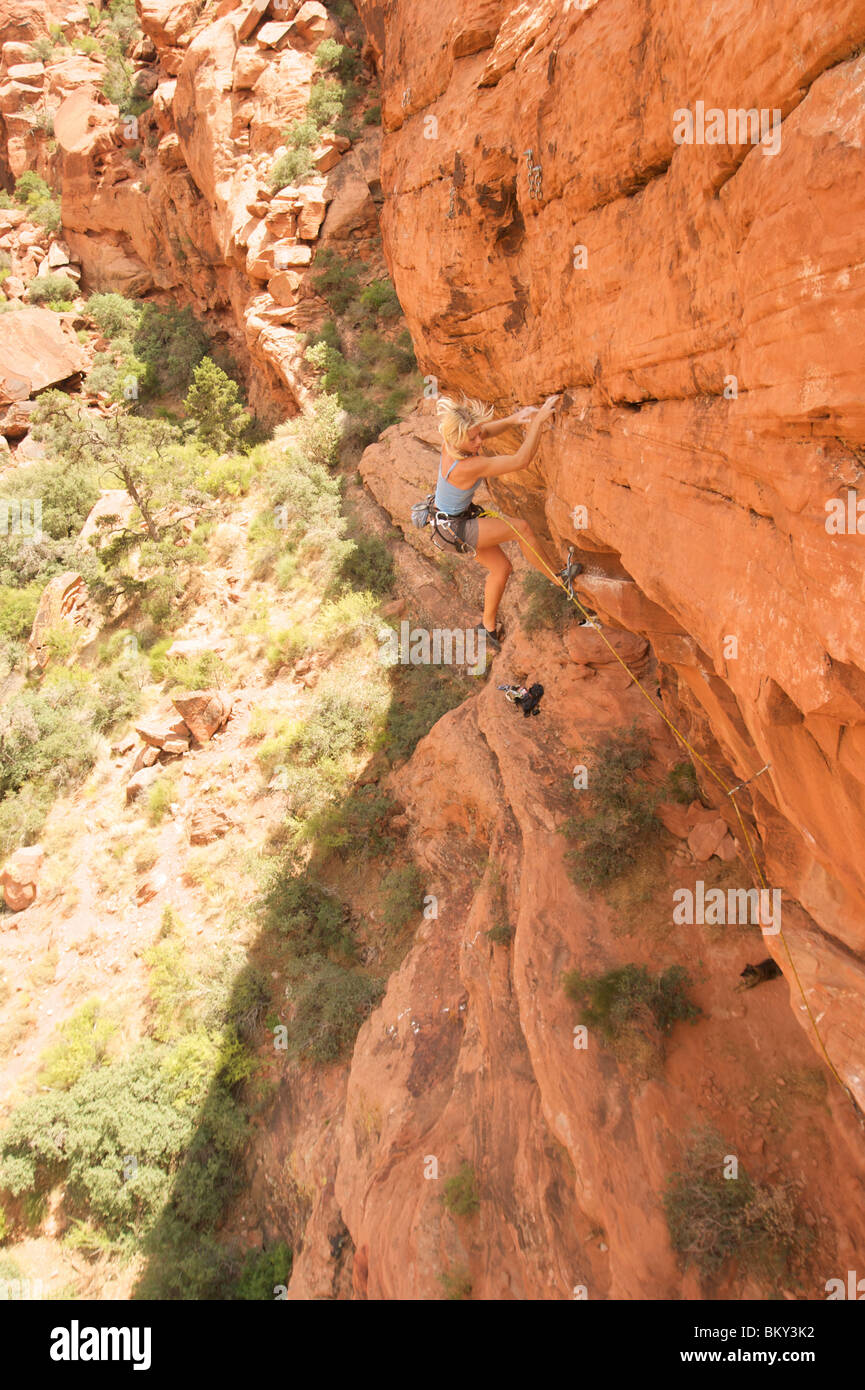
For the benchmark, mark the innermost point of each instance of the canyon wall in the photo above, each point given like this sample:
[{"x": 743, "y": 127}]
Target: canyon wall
[
  {"x": 699, "y": 308},
  {"x": 178, "y": 200},
  {"x": 700, "y": 305}
]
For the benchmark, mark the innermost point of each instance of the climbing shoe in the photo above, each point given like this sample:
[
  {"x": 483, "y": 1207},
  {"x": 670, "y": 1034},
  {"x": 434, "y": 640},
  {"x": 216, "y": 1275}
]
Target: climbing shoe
[
  {"x": 493, "y": 639},
  {"x": 570, "y": 572},
  {"x": 589, "y": 620}
]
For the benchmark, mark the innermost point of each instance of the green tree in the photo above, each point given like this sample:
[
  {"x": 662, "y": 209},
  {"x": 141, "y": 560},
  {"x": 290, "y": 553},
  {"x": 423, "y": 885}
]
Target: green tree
[
  {"x": 213, "y": 402},
  {"x": 141, "y": 455}
]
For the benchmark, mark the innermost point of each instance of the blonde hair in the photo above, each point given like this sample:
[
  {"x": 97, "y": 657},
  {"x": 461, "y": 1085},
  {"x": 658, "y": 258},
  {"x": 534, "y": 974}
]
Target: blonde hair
[{"x": 457, "y": 418}]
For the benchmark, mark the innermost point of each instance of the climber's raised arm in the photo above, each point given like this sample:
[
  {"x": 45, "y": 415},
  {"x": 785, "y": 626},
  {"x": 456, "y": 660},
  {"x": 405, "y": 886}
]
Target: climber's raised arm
[
  {"x": 491, "y": 428},
  {"x": 498, "y": 464}
]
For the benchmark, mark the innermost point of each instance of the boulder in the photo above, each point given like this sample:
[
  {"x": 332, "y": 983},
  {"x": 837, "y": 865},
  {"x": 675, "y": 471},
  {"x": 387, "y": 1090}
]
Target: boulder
[
  {"x": 705, "y": 838},
  {"x": 147, "y": 756},
  {"x": 12, "y": 53},
  {"x": 675, "y": 819},
  {"x": 176, "y": 747},
  {"x": 312, "y": 23},
  {"x": 58, "y": 254},
  {"x": 207, "y": 825},
  {"x": 248, "y": 67},
  {"x": 34, "y": 73},
  {"x": 148, "y": 890},
  {"x": 204, "y": 711},
  {"x": 328, "y": 154},
  {"x": 141, "y": 781},
  {"x": 285, "y": 287},
  {"x": 63, "y": 602},
  {"x": 253, "y": 16},
  {"x": 165, "y": 21},
  {"x": 156, "y": 733},
  {"x": 83, "y": 125},
  {"x": 273, "y": 35},
  {"x": 145, "y": 83},
  {"x": 15, "y": 421},
  {"x": 112, "y": 512},
  {"x": 352, "y": 208},
  {"x": 19, "y": 877},
  {"x": 311, "y": 211},
  {"x": 286, "y": 255},
  {"x": 109, "y": 267},
  {"x": 37, "y": 350}
]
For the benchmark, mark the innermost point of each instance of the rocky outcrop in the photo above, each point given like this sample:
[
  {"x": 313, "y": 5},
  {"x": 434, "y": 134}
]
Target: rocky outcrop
[
  {"x": 38, "y": 349},
  {"x": 180, "y": 198},
  {"x": 63, "y": 605},
  {"x": 690, "y": 302},
  {"x": 19, "y": 877},
  {"x": 204, "y": 711}
]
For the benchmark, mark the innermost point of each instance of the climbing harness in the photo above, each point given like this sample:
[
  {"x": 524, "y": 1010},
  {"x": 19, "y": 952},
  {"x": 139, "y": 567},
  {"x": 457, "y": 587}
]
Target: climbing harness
[
  {"x": 527, "y": 698},
  {"x": 443, "y": 529},
  {"x": 728, "y": 791},
  {"x": 425, "y": 513}
]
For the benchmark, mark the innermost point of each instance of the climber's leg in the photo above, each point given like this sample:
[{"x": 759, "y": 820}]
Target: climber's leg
[
  {"x": 493, "y": 559},
  {"x": 495, "y": 531}
]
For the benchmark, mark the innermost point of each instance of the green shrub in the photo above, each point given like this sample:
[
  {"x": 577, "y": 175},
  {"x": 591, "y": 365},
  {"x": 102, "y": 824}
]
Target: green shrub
[
  {"x": 128, "y": 1149},
  {"x": 41, "y": 205},
  {"x": 682, "y": 784},
  {"x": 549, "y": 607},
  {"x": 331, "y": 1003},
  {"x": 201, "y": 671},
  {"x": 461, "y": 1192},
  {"x": 123, "y": 23},
  {"x": 67, "y": 491},
  {"x": 319, "y": 433},
  {"x": 368, "y": 567},
  {"x": 714, "y": 1219},
  {"x": 114, "y": 316},
  {"x": 337, "y": 57},
  {"x": 632, "y": 1010},
  {"x": 229, "y": 477},
  {"x": 402, "y": 896},
  {"x": 45, "y": 735},
  {"x": 421, "y": 695},
  {"x": 501, "y": 935},
  {"x": 57, "y": 291},
  {"x": 160, "y": 797},
  {"x": 81, "y": 1046},
  {"x": 17, "y": 611},
  {"x": 304, "y": 913},
  {"x": 357, "y": 826},
  {"x": 621, "y": 818},
  {"x": 327, "y": 101},
  {"x": 41, "y": 49},
  {"x": 372, "y": 116},
  {"x": 457, "y": 1284},
  {"x": 291, "y": 168},
  {"x": 264, "y": 1272},
  {"x": 337, "y": 279},
  {"x": 380, "y": 298}
]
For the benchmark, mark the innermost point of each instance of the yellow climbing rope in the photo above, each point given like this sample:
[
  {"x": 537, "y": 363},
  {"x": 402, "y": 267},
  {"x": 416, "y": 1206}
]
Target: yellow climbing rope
[{"x": 698, "y": 757}]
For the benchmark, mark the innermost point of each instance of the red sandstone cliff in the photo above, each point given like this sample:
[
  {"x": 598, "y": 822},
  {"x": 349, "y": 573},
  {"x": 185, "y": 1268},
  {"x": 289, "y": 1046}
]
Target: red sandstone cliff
[
  {"x": 709, "y": 336},
  {"x": 705, "y": 520}
]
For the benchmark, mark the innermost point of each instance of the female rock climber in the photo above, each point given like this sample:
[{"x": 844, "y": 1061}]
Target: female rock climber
[{"x": 465, "y": 426}]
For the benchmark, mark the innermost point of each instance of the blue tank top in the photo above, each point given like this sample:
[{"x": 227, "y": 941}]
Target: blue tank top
[{"x": 450, "y": 498}]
